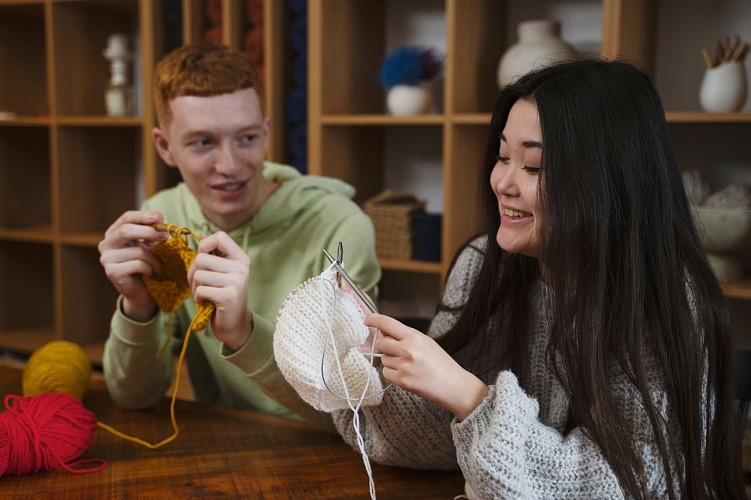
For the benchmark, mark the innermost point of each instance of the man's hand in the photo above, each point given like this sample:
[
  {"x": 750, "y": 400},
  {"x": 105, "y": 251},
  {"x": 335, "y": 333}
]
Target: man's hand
[
  {"x": 220, "y": 275},
  {"x": 126, "y": 257}
]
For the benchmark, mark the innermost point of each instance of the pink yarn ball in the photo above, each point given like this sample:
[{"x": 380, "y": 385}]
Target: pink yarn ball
[{"x": 44, "y": 432}]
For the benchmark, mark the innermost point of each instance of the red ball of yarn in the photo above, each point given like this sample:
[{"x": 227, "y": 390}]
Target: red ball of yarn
[{"x": 44, "y": 432}]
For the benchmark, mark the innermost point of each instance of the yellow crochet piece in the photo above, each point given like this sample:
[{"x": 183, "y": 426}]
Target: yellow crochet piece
[{"x": 169, "y": 289}]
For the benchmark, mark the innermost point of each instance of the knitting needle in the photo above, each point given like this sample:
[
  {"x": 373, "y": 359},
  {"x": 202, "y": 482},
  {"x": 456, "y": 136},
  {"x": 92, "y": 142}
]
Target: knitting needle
[
  {"x": 166, "y": 228},
  {"x": 343, "y": 274}
]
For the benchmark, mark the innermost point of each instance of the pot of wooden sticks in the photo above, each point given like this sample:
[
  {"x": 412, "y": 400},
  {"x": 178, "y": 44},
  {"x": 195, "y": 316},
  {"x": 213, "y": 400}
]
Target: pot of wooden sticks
[{"x": 724, "y": 88}]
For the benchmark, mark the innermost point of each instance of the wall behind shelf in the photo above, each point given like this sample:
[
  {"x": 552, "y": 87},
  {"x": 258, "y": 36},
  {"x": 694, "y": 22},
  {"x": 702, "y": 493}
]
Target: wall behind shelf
[{"x": 683, "y": 30}]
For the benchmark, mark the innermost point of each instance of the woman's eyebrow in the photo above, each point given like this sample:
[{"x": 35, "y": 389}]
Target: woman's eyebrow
[{"x": 526, "y": 144}]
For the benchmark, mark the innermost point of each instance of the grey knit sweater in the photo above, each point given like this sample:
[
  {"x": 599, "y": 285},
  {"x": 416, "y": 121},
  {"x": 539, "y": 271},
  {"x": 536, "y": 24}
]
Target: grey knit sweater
[{"x": 511, "y": 445}]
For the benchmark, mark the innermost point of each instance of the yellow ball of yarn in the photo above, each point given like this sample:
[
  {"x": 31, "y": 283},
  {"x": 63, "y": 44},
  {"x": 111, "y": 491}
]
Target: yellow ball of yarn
[{"x": 57, "y": 366}]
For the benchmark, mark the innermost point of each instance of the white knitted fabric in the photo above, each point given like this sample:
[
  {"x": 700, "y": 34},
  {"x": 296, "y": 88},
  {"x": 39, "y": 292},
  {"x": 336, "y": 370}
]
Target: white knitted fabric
[{"x": 319, "y": 316}]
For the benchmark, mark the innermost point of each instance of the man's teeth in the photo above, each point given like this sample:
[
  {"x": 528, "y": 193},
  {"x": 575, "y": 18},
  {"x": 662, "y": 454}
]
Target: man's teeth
[{"x": 514, "y": 213}]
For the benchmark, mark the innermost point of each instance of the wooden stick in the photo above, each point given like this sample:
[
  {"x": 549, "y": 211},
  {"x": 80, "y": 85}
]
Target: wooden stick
[
  {"x": 740, "y": 52},
  {"x": 717, "y": 53},
  {"x": 707, "y": 60},
  {"x": 743, "y": 53}
]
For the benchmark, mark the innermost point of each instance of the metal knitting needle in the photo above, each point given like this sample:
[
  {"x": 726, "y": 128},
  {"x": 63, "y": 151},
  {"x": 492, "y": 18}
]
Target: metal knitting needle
[{"x": 343, "y": 274}]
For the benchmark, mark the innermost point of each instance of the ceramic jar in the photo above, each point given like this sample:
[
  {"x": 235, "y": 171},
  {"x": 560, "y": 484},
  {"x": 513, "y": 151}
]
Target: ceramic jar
[
  {"x": 410, "y": 99},
  {"x": 539, "y": 45},
  {"x": 724, "y": 88}
]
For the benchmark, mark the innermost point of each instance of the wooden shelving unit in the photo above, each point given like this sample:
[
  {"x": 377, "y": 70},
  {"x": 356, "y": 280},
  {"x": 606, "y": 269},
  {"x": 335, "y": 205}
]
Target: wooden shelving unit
[
  {"x": 67, "y": 170},
  {"x": 349, "y": 124}
]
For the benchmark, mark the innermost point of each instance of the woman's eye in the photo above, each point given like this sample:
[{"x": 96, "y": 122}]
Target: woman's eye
[
  {"x": 502, "y": 159},
  {"x": 531, "y": 170}
]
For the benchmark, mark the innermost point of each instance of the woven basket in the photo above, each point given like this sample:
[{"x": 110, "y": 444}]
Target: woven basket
[{"x": 391, "y": 213}]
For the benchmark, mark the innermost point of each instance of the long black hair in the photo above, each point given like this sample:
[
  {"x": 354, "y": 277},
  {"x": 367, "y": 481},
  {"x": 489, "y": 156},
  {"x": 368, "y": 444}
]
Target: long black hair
[{"x": 629, "y": 276}]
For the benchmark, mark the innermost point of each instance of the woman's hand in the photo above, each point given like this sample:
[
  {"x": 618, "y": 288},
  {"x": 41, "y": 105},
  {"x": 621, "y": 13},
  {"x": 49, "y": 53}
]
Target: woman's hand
[
  {"x": 418, "y": 364},
  {"x": 219, "y": 274}
]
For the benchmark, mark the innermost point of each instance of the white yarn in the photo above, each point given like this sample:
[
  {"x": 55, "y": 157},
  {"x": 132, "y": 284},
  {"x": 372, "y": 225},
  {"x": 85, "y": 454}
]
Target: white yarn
[
  {"x": 313, "y": 311},
  {"x": 320, "y": 321}
]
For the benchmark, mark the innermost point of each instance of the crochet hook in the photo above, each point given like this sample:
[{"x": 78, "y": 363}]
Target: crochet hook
[{"x": 339, "y": 269}]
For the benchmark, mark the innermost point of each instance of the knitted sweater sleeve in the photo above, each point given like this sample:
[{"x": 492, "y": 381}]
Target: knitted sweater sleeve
[
  {"x": 506, "y": 451},
  {"x": 406, "y": 430}
]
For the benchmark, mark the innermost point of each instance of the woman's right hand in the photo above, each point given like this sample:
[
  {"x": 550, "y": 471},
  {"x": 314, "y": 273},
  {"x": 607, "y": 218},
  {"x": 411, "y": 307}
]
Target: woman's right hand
[
  {"x": 415, "y": 362},
  {"x": 126, "y": 257}
]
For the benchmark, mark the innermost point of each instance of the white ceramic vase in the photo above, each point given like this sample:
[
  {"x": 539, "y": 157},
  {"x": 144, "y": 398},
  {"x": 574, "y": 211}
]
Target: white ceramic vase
[
  {"x": 410, "y": 99},
  {"x": 539, "y": 45},
  {"x": 724, "y": 88}
]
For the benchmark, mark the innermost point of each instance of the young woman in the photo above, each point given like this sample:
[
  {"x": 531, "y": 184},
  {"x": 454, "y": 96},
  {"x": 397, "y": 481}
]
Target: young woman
[{"x": 582, "y": 348}]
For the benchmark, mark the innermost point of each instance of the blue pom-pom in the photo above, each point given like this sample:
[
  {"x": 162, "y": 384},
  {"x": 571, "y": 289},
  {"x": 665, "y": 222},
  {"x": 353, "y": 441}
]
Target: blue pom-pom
[{"x": 402, "y": 66}]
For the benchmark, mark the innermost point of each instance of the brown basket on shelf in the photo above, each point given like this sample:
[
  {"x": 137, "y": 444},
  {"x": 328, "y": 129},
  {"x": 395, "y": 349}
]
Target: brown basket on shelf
[{"x": 391, "y": 213}]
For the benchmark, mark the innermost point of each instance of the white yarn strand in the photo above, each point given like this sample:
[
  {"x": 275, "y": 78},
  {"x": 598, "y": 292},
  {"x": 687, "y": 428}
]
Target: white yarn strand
[{"x": 355, "y": 409}]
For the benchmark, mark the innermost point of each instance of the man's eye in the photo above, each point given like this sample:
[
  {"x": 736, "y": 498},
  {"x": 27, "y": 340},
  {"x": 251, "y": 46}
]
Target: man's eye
[
  {"x": 200, "y": 143},
  {"x": 531, "y": 170},
  {"x": 248, "y": 138}
]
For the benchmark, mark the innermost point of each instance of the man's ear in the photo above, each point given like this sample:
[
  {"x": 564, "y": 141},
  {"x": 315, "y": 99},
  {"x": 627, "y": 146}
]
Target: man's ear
[{"x": 162, "y": 146}]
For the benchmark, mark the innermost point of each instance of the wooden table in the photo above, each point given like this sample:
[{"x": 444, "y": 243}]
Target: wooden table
[{"x": 221, "y": 453}]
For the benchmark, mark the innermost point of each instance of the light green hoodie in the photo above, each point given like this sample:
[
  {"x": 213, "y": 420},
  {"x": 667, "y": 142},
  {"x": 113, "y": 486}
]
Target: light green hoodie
[{"x": 284, "y": 241}]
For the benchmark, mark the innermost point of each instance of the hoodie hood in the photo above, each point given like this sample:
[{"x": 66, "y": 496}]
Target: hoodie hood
[{"x": 297, "y": 193}]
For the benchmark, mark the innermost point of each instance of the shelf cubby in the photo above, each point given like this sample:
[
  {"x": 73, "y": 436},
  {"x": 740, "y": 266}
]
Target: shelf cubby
[
  {"x": 81, "y": 30},
  {"x": 24, "y": 178},
  {"x": 26, "y": 297},
  {"x": 98, "y": 172},
  {"x": 23, "y": 87}
]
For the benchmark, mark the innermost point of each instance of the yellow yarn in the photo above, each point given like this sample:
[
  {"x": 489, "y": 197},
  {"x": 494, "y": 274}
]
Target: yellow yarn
[
  {"x": 62, "y": 366},
  {"x": 169, "y": 289},
  {"x": 57, "y": 366}
]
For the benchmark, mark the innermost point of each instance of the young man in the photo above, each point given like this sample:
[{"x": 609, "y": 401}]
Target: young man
[{"x": 265, "y": 227}]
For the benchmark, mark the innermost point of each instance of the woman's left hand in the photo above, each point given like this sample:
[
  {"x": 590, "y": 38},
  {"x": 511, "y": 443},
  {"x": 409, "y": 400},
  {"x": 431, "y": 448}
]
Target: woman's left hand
[{"x": 415, "y": 362}]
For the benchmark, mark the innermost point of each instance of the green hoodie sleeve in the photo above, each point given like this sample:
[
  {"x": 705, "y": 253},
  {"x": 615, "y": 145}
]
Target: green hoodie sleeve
[
  {"x": 135, "y": 377},
  {"x": 256, "y": 360}
]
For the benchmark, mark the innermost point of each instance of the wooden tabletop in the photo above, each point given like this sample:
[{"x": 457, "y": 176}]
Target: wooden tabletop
[{"x": 222, "y": 453}]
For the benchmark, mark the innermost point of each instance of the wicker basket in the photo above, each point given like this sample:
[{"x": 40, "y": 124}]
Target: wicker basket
[{"x": 391, "y": 213}]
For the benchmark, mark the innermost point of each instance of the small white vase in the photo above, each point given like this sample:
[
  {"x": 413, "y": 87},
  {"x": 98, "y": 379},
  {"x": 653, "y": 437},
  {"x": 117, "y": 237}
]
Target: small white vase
[
  {"x": 410, "y": 99},
  {"x": 723, "y": 88},
  {"x": 539, "y": 45}
]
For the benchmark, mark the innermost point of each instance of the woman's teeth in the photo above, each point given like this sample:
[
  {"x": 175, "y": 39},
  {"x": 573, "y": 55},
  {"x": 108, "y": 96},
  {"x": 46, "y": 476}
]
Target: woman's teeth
[{"x": 514, "y": 213}]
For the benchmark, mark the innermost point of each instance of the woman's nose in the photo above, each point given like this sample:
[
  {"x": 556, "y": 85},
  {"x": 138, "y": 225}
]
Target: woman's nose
[{"x": 505, "y": 182}]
